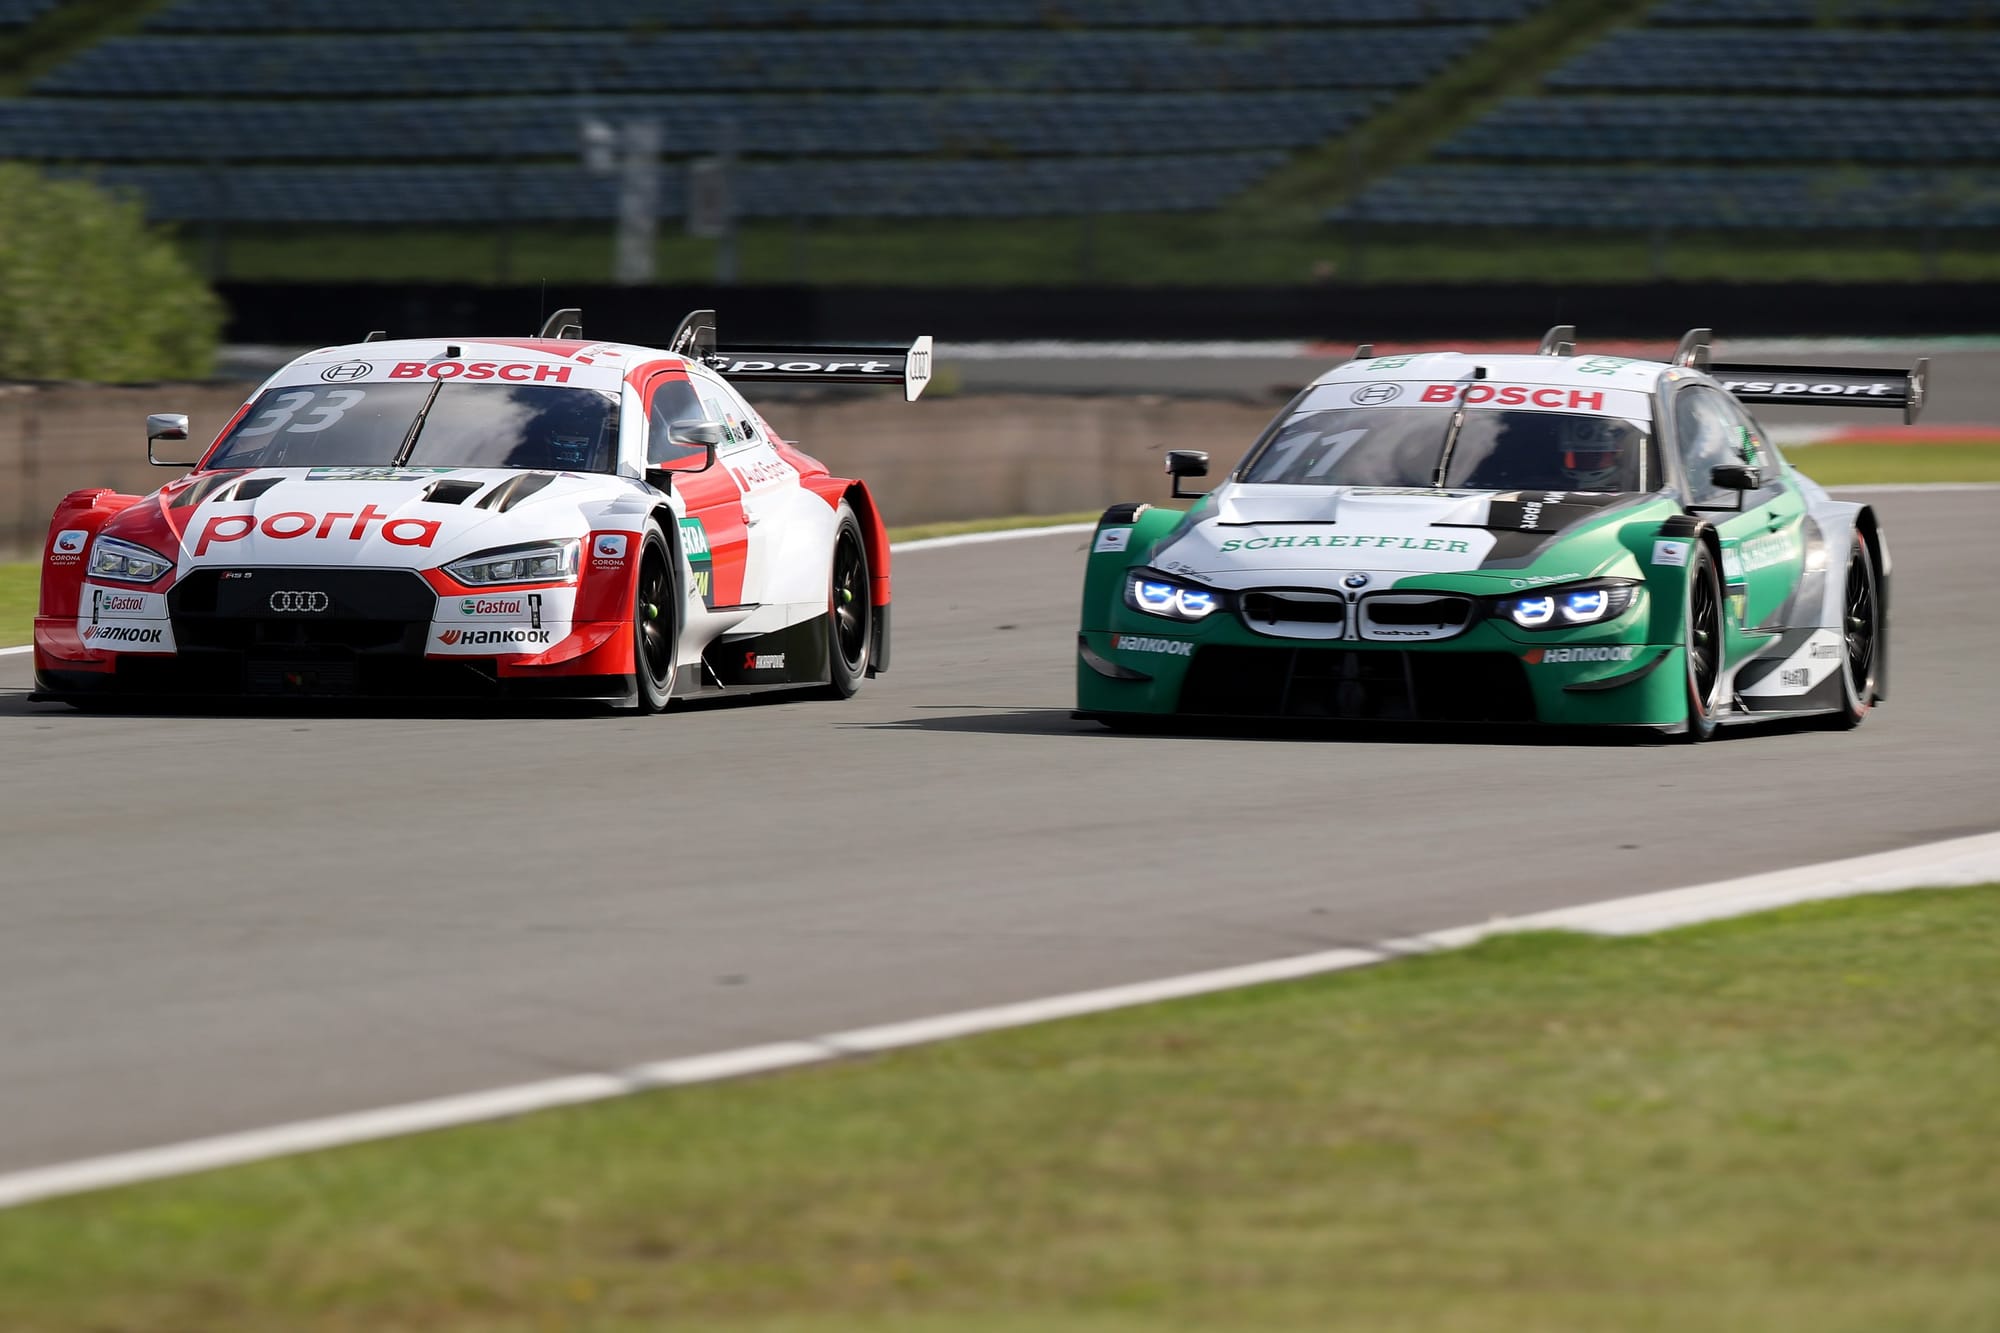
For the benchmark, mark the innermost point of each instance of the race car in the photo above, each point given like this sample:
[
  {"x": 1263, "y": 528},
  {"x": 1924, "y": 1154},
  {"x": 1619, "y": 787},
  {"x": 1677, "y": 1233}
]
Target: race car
[
  {"x": 1547, "y": 538},
  {"x": 543, "y": 517}
]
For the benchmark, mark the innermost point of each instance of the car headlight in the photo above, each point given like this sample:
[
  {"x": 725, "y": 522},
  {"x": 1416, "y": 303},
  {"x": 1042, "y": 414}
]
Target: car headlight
[
  {"x": 542, "y": 562},
  {"x": 1160, "y": 594},
  {"x": 1571, "y": 605},
  {"x": 113, "y": 559}
]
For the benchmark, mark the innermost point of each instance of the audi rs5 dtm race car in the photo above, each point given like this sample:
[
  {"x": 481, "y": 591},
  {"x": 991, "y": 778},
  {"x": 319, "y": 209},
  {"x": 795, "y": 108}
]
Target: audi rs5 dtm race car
[
  {"x": 542, "y": 517},
  {"x": 1549, "y": 538}
]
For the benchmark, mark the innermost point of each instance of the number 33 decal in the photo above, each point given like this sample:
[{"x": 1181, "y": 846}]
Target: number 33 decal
[{"x": 287, "y": 406}]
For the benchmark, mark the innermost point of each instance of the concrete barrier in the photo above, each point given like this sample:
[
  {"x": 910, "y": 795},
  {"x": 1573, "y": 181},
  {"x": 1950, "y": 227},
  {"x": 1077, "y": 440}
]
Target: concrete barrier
[{"x": 974, "y": 456}]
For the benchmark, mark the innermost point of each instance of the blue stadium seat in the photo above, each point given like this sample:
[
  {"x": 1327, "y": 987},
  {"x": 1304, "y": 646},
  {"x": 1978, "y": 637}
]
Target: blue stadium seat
[
  {"x": 1749, "y": 60},
  {"x": 1732, "y": 129},
  {"x": 374, "y": 16},
  {"x": 1027, "y": 187},
  {"x": 1679, "y": 197}
]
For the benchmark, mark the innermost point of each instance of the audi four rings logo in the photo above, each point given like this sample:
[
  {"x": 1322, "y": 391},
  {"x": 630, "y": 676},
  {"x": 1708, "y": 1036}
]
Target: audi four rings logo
[
  {"x": 300, "y": 601},
  {"x": 346, "y": 370},
  {"x": 1371, "y": 394}
]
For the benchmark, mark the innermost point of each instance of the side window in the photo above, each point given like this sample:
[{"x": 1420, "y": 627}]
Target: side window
[
  {"x": 721, "y": 405},
  {"x": 1758, "y": 451},
  {"x": 1708, "y": 435},
  {"x": 673, "y": 400}
]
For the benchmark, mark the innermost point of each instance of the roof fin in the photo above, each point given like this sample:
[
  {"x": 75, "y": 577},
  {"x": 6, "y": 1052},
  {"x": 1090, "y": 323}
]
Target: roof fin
[
  {"x": 1558, "y": 341},
  {"x": 563, "y": 324},
  {"x": 696, "y": 335},
  {"x": 376, "y": 335},
  {"x": 1693, "y": 351},
  {"x": 1365, "y": 352}
]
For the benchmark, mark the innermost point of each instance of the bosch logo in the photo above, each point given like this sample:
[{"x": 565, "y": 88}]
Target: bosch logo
[
  {"x": 300, "y": 601},
  {"x": 1356, "y": 580},
  {"x": 346, "y": 370},
  {"x": 1370, "y": 395}
]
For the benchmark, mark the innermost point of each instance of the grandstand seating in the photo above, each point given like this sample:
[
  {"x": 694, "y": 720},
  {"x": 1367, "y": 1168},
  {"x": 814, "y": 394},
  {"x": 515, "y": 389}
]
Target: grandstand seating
[
  {"x": 1739, "y": 114},
  {"x": 20, "y": 13},
  {"x": 1732, "y": 129},
  {"x": 313, "y": 110},
  {"x": 527, "y": 128},
  {"x": 1736, "y": 13},
  {"x": 910, "y": 188},
  {"x": 1681, "y": 197},
  {"x": 225, "y": 16},
  {"x": 517, "y": 63},
  {"x": 1818, "y": 61}
]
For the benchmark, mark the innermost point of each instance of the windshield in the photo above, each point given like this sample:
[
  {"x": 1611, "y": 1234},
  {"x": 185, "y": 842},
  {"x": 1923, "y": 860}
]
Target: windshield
[
  {"x": 1495, "y": 450},
  {"x": 545, "y": 426}
]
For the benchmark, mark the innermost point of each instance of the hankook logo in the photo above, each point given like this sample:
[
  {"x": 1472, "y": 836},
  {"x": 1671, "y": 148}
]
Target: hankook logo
[
  {"x": 346, "y": 370},
  {"x": 1370, "y": 395},
  {"x": 300, "y": 601}
]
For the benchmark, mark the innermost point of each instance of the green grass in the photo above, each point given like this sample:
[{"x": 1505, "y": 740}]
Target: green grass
[
  {"x": 1859, "y": 463},
  {"x": 20, "y": 586},
  {"x": 1780, "y": 1123}
]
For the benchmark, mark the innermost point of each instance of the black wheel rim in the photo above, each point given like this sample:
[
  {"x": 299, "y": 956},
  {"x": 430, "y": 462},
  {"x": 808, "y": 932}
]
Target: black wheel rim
[
  {"x": 655, "y": 629},
  {"x": 850, "y": 599},
  {"x": 1704, "y": 645},
  {"x": 1860, "y": 625}
]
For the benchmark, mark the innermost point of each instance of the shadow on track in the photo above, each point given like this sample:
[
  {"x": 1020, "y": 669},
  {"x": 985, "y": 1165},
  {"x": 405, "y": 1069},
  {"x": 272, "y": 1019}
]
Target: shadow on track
[{"x": 1059, "y": 722}]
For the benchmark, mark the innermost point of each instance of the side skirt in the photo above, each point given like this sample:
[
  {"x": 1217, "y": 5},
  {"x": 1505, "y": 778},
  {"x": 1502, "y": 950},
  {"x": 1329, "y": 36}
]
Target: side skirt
[{"x": 784, "y": 659}]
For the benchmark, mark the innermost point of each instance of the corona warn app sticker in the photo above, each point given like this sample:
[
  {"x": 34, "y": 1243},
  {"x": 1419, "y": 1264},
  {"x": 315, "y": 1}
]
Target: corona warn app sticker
[
  {"x": 69, "y": 546},
  {"x": 607, "y": 549}
]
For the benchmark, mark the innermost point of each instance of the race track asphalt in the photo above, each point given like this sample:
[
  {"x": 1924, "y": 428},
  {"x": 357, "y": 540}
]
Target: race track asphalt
[{"x": 214, "y": 923}]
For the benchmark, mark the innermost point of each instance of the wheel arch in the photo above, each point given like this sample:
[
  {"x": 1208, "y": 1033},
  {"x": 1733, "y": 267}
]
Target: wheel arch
[
  {"x": 1870, "y": 528},
  {"x": 874, "y": 540}
]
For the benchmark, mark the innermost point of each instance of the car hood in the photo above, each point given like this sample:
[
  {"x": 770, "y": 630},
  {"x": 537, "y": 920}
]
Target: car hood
[
  {"x": 393, "y": 517},
  {"x": 1248, "y": 534}
]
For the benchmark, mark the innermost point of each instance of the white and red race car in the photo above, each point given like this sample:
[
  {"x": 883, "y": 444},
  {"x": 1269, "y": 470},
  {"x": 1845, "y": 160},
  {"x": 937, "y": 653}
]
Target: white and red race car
[{"x": 541, "y": 518}]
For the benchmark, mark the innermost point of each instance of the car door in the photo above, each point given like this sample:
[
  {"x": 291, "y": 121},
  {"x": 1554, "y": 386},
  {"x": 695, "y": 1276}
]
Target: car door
[
  {"x": 715, "y": 533},
  {"x": 1762, "y": 531},
  {"x": 766, "y": 481}
]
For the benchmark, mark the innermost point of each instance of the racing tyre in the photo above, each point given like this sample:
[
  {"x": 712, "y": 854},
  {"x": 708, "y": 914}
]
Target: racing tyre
[
  {"x": 850, "y": 617},
  {"x": 655, "y": 623},
  {"x": 1861, "y": 630},
  {"x": 1702, "y": 637}
]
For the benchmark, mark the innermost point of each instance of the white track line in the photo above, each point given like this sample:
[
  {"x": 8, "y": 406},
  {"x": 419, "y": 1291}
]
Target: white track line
[
  {"x": 1961, "y": 861},
  {"x": 24, "y": 648},
  {"x": 1000, "y": 535},
  {"x": 1908, "y": 487}
]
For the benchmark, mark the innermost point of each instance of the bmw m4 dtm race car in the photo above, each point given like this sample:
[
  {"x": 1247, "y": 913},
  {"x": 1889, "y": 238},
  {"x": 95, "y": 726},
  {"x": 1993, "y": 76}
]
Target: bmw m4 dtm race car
[
  {"x": 1547, "y": 538},
  {"x": 540, "y": 517}
]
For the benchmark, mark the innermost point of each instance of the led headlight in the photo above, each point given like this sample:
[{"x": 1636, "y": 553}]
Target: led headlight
[
  {"x": 1570, "y": 606},
  {"x": 1159, "y": 594},
  {"x": 543, "y": 562},
  {"x": 113, "y": 559}
]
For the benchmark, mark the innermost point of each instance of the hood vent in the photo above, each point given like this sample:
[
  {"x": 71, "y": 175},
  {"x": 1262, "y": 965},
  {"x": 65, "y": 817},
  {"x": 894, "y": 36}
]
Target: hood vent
[
  {"x": 514, "y": 490},
  {"x": 204, "y": 488},
  {"x": 254, "y": 487},
  {"x": 450, "y": 492}
]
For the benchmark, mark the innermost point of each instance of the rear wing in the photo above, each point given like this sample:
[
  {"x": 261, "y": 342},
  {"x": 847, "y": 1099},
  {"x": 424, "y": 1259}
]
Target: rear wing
[
  {"x": 1811, "y": 386},
  {"x": 1828, "y": 386},
  {"x": 910, "y": 366}
]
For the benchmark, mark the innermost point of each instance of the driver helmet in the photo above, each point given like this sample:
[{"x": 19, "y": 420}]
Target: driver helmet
[{"x": 1591, "y": 449}]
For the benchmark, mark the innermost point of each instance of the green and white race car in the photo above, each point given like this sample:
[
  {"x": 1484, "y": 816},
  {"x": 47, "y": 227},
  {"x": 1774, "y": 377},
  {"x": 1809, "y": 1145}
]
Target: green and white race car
[{"x": 1464, "y": 538}]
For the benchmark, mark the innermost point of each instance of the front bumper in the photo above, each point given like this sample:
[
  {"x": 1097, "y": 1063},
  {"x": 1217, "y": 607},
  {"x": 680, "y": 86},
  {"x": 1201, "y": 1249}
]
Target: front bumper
[
  {"x": 1482, "y": 676},
  {"x": 366, "y": 634}
]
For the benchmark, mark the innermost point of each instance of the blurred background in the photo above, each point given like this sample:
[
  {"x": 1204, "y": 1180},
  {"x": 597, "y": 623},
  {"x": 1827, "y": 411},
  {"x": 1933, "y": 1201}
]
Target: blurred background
[{"x": 193, "y": 190}]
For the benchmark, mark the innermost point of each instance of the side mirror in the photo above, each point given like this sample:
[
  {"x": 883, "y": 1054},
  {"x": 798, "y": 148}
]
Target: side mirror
[
  {"x": 1186, "y": 463},
  {"x": 692, "y": 433},
  {"x": 1736, "y": 477},
  {"x": 170, "y": 426}
]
